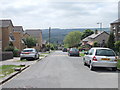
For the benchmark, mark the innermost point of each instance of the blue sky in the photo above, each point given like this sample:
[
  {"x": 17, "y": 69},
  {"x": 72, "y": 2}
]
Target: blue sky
[{"x": 59, "y": 13}]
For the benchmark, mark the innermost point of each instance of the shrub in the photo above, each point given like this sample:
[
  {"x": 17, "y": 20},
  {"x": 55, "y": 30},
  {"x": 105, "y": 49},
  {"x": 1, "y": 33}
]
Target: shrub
[
  {"x": 95, "y": 44},
  {"x": 9, "y": 48},
  {"x": 15, "y": 51},
  {"x": 117, "y": 47}
]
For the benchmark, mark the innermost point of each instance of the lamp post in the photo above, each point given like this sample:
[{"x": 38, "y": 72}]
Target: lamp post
[
  {"x": 49, "y": 38},
  {"x": 100, "y": 25}
]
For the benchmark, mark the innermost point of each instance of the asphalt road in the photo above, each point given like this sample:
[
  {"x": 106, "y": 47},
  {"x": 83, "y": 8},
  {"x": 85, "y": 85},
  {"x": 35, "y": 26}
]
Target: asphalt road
[{"x": 58, "y": 70}]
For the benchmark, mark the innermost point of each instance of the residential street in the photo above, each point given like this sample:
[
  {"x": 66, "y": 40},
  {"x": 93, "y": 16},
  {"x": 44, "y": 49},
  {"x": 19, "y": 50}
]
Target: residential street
[{"x": 58, "y": 70}]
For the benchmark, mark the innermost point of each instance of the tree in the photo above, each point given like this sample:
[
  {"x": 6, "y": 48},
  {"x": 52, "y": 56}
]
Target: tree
[
  {"x": 95, "y": 44},
  {"x": 72, "y": 39},
  {"x": 87, "y": 33},
  {"x": 111, "y": 41},
  {"x": 117, "y": 46},
  {"x": 30, "y": 42}
]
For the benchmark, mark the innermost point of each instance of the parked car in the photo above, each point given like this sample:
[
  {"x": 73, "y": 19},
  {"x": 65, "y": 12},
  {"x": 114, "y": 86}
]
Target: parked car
[
  {"x": 73, "y": 52},
  {"x": 29, "y": 53},
  {"x": 100, "y": 57},
  {"x": 64, "y": 50}
]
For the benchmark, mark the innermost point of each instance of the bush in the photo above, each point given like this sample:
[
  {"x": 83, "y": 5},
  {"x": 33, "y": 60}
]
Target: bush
[
  {"x": 95, "y": 44},
  {"x": 117, "y": 47},
  {"x": 12, "y": 49},
  {"x": 16, "y": 53},
  {"x": 9, "y": 48}
]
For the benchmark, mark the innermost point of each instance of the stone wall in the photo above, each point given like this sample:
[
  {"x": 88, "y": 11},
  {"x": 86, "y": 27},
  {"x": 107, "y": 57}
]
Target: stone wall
[{"x": 7, "y": 55}]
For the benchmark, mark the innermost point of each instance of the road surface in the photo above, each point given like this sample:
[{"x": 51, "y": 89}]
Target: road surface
[{"x": 58, "y": 70}]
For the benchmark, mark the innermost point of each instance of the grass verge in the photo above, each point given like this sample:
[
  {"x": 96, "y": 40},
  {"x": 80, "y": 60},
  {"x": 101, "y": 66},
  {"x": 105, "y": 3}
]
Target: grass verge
[
  {"x": 7, "y": 69},
  {"x": 82, "y": 54},
  {"x": 118, "y": 64}
]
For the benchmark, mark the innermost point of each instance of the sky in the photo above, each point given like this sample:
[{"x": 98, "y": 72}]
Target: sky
[{"x": 42, "y": 14}]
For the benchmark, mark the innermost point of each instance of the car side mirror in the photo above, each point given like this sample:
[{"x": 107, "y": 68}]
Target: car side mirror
[{"x": 86, "y": 53}]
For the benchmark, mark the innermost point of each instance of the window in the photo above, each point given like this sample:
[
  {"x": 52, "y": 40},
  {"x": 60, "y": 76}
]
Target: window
[
  {"x": 91, "y": 52},
  {"x": 104, "y": 52}
]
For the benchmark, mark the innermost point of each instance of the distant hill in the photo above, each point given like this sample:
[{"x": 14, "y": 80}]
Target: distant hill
[{"x": 59, "y": 34}]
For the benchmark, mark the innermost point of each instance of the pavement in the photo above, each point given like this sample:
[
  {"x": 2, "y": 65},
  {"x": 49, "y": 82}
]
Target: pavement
[
  {"x": 58, "y": 70},
  {"x": 16, "y": 61}
]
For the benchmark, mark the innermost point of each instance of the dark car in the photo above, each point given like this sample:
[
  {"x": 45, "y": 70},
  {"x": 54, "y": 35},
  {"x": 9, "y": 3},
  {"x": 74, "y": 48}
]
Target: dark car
[
  {"x": 73, "y": 52},
  {"x": 64, "y": 50}
]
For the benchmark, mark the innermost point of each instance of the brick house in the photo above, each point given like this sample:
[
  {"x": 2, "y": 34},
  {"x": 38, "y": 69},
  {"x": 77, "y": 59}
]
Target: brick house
[
  {"x": 18, "y": 35},
  {"x": 36, "y": 33},
  {"x": 100, "y": 36},
  {"x": 6, "y": 36},
  {"x": 115, "y": 28}
]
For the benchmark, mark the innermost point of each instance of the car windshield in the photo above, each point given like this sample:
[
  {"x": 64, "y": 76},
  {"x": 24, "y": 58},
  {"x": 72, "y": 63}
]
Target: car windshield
[
  {"x": 27, "y": 50},
  {"x": 104, "y": 52},
  {"x": 74, "y": 49}
]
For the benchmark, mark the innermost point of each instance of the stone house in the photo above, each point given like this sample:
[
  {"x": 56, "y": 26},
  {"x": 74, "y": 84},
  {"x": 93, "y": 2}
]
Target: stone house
[
  {"x": 115, "y": 28},
  {"x": 18, "y": 35},
  {"x": 36, "y": 33},
  {"x": 100, "y": 36},
  {"x": 6, "y": 30}
]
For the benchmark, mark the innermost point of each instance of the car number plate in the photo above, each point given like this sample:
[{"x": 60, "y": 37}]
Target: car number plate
[{"x": 107, "y": 59}]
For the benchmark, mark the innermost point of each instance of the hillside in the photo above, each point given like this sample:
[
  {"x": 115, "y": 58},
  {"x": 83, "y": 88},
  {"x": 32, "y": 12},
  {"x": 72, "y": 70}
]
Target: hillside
[{"x": 59, "y": 34}]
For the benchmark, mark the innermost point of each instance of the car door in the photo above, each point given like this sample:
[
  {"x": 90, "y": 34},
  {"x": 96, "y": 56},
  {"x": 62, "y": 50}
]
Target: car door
[{"x": 89, "y": 56}]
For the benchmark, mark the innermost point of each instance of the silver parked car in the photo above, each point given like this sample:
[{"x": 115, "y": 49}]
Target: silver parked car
[
  {"x": 29, "y": 53},
  {"x": 100, "y": 57}
]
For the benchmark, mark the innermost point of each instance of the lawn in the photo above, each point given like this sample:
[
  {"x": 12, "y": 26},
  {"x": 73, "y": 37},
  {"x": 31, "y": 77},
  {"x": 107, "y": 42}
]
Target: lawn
[
  {"x": 41, "y": 55},
  {"x": 82, "y": 54},
  {"x": 7, "y": 69},
  {"x": 118, "y": 64}
]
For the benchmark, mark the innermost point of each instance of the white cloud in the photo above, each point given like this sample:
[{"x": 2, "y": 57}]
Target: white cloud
[{"x": 44, "y": 13}]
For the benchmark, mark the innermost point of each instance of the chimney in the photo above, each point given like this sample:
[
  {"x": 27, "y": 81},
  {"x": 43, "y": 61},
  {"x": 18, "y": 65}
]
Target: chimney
[{"x": 96, "y": 31}]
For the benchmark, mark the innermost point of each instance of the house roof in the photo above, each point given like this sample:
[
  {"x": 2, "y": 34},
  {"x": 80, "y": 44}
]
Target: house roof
[
  {"x": 5, "y": 23},
  {"x": 18, "y": 29},
  {"x": 93, "y": 36},
  {"x": 117, "y": 21},
  {"x": 34, "y": 32}
]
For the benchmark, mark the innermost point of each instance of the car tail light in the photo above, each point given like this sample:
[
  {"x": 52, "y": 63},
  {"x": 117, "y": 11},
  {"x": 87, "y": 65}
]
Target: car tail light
[
  {"x": 70, "y": 51},
  {"x": 94, "y": 58},
  {"x": 115, "y": 59},
  {"x": 26, "y": 52}
]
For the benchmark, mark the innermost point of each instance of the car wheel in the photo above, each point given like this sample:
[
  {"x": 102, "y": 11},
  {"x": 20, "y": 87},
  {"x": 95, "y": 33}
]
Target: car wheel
[
  {"x": 91, "y": 67},
  {"x": 35, "y": 57},
  {"x": 114, "y": 69},
  {"x": 85, "y": 64},
  {"x": 21, "y": 58}
]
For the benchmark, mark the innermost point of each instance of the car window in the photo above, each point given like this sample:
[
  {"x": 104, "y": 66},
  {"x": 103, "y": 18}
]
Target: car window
[
  {"x": 91, "y": 52},
  {"x": 27, "y": 50},
  {"x": 74, "y": 49},
  {"x": 104, "y": 52}
]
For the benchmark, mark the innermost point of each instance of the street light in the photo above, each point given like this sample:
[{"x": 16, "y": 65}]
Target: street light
[{"x": 100, "y": 25}]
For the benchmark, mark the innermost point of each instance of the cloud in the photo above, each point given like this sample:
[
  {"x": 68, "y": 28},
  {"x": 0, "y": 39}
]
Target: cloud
[{"x": 44, "y": 13}]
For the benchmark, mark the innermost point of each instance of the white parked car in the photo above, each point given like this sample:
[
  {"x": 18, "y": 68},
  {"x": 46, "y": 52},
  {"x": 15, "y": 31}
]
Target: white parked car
[
  {"x": 100, "y": 57},
  {"x": 29, "y": 53}
]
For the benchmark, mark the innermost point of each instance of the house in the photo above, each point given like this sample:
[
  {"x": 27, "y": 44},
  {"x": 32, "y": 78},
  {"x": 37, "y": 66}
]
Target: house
[
  {"x": 115, "y": 28},
  {"x": 25, "y": 35},
  {"x": 100, "y": 36},
  {"x": 6, "y": 36},
  {"x": 18, "y": 35},
  {"x": 36, "y": 33}
]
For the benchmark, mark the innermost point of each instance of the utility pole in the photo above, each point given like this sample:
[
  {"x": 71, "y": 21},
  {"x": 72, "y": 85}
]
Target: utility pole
[
  {"x": 49, "y": 38},
  {"x": 100, "y": 25}
]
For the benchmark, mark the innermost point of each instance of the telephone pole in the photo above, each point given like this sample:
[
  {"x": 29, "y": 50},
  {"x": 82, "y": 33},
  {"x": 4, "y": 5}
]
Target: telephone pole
[{"x": 49, "y": 37}]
